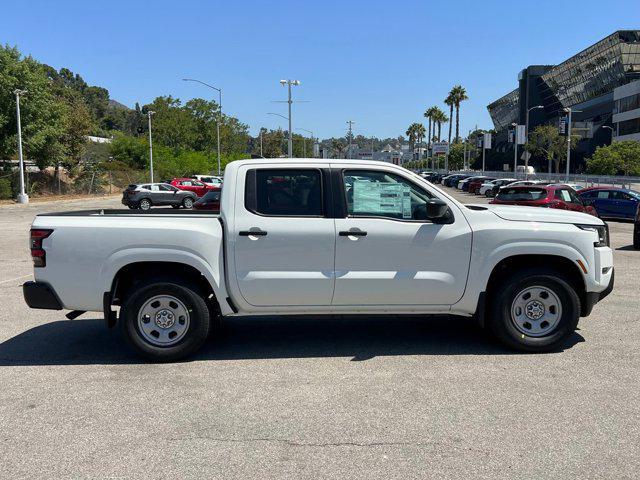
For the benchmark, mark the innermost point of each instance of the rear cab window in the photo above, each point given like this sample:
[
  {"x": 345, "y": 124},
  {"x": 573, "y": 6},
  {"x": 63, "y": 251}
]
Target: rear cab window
[
  {"x": 524, "y": 194},
  {"x": 285, "y": 192}
]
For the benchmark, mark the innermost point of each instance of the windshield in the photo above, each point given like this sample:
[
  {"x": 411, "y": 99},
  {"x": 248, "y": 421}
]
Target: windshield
[
  {"x": 523, "y": 194},
  {"x": 211, "y": 196}
]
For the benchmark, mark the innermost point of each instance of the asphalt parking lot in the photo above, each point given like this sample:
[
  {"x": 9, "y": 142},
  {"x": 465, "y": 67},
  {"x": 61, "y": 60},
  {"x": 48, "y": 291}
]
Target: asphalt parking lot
[{"x": 323, "y": 398}]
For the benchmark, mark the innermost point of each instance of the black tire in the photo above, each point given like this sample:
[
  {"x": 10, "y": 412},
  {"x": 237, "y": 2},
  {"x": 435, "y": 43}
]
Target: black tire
[
  {"x": 144, "y": 204},
  {"x": 187, "y": 202},
  {"x": 193, "y": 335},
  {"x": 636, "y": 237},
  {"x": 504, "y": 326}
]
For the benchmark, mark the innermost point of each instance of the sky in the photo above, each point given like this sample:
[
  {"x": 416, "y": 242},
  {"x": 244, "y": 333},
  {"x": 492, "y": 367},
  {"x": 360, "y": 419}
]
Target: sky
[{"x": 378, "y": 63}]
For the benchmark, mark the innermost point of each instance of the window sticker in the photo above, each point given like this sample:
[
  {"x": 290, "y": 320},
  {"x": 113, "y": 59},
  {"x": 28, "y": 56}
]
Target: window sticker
[{"x": 393, "y": 199}]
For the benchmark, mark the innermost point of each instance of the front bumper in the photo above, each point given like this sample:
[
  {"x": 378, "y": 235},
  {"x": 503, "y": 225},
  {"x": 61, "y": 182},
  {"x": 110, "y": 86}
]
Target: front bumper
[
  {"x": 41, "y": 295},
  {"x": 591, "y": 298}
]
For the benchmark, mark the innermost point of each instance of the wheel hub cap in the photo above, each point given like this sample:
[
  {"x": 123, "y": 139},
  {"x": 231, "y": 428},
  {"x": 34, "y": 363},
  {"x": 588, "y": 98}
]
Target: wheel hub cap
[
  {"x": 536, "y": 311},
  {"x": 165, "y": 319}
]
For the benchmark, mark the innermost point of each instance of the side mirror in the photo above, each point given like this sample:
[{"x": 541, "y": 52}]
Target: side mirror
[{"x": 436, "y": 209}]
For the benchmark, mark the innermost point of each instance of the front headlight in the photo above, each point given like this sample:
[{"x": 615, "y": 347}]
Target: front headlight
[{"x": 601, "y": 230}]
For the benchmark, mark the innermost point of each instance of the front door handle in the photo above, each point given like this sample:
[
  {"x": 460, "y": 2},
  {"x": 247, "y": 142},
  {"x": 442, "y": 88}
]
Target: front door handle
[
  {"x": 353, "y": 233},
  {"x": 257, "y": 233}
]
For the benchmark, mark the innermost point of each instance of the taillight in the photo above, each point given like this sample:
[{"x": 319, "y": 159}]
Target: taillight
[{"x": 38, "y": 254}]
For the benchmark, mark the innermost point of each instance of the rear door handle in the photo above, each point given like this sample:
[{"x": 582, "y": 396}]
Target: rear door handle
[
  {"x": 257, "y": 233},
  {"x": 353, "y": 233}
]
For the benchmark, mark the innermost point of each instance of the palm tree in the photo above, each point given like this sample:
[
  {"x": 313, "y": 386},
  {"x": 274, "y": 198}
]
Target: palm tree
[
  {"x": 450, "y": 102},
  {"x": 439, "y": 117},
  {"x": 459, "y": 95},
  {"x": 420, "y": 131},
  {"x": 429, "y": 115},
  {"x": 411, "y": 133}
]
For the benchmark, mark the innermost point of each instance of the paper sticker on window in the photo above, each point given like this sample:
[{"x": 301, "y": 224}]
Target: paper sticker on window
[{"x": 375, "y": 198}]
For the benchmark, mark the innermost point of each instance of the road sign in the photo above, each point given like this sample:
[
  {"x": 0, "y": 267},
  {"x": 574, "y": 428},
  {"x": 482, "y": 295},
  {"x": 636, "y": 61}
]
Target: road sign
[
  {"x": 487, "y": 141},
  {"x": 440, "y": 148}
]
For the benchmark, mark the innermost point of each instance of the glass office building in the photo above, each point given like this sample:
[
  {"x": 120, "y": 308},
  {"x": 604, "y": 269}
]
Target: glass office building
[{"x": 584, "y": 82}]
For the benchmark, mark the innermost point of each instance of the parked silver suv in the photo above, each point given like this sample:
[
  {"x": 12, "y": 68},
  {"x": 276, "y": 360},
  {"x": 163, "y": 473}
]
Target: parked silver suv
[{"x": 145, "y": 195}]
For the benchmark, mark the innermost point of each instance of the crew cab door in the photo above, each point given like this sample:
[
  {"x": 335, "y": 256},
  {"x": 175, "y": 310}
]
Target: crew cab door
[
  {"x": 388, "y": 252},
  {"x": 283, "y": 236}
]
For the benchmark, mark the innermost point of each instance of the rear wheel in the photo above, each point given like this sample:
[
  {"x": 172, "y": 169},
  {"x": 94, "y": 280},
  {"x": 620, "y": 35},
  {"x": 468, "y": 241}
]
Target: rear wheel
[
  {"x": 534, "y": 310},
  {"x": 165, "y": 320},
  {"x": 187, "y": 202},
  {"x": 145, "y": 204}
]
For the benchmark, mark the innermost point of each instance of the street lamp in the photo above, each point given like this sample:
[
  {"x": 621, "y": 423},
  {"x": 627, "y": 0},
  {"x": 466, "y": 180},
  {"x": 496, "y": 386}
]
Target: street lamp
[
  {"x": 304, "y": 140},
  {"x": 22, "y": 196},
  {"x": 219, "y": 119},
  {"x": 568, "y": 111},
  {"x": 289, "y": 83},
  {"x": 526, "y": 139},
  {"x": 612, "y": 132},
  {"x": 149, "y": 113},
  {"x": 281, "y": 116}
]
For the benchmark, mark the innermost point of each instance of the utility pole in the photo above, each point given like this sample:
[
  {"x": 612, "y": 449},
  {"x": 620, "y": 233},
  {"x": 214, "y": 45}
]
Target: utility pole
[
  {"x": 22, "y": 196},
  {"x": 289, "y": 83},
  {"x": 350, "y": 123},
  {"x": 149, "y": 113}
]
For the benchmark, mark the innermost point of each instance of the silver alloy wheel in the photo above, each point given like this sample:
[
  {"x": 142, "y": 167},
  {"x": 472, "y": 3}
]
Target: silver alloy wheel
[
  {"x": 188, "y": 202},
  {"x": 536, "y": 311},
  {"x": 145, "y": 204},
  {"x": 163, "y": 320}
]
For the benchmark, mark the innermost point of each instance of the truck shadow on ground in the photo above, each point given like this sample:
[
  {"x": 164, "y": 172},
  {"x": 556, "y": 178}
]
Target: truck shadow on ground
[{"x": 86, "y": 342}]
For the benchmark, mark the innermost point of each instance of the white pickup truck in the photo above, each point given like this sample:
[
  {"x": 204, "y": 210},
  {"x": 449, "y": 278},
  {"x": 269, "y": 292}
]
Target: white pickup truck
[{"x": 309, "y": 237}]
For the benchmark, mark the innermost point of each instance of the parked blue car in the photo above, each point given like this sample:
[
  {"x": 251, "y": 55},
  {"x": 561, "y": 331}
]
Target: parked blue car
[{"x": 612, "y": 202}]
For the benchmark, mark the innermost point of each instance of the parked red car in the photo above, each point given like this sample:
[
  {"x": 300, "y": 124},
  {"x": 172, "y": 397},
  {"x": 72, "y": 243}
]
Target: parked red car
[
  {"x": 191, "y": 185},
  {"x": 550, "y": 196}
]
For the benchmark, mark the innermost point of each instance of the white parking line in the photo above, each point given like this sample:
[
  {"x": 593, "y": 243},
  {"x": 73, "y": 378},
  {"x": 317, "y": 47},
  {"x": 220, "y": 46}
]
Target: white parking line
[{"x": 14, "y": 279}]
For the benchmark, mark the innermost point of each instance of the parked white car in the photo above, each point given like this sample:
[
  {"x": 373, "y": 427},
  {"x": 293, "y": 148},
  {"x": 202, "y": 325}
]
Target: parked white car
[
  {"x": 209, "y": 180},
  {"x": 489, "y": 186},
  {"x": 310, "y": 237}
]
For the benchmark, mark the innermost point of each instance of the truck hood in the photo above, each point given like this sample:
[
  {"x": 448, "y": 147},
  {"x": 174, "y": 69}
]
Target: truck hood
[{"x": 540, "y": 214}]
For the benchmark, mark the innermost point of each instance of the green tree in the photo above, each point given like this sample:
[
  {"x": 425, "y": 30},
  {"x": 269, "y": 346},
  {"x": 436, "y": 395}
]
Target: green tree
[
  {"x": 619, "y": 158},
  {"x": 450, "y": 102},
  {"x": 429, "y": 114},
  {"x": 548, "y": 143},
  {"x": 457, "y": 95},
  {"x": 439, "y": 117},
  {"x": 42, "y": 114}
]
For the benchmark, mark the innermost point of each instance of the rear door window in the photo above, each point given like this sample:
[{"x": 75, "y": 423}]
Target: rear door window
[
  {"x": 284, "y": 192},
  {"x": 563, "y": 195}
]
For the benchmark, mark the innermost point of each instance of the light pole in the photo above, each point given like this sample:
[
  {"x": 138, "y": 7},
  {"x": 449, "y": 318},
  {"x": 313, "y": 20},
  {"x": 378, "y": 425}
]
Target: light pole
[
  {"x": 526, "y": 139},
  {"x": 515, "y": 148},
  {"x": 286, "y": 118},
  {"x": 149, "y": 113},
  {"x": 289, "y": 83},
  {"x": 569, "y": 112},
  {"x": 612, "y": 132},
  {"x": 22, "y": 196},
  {"x": 304, "y": 141},
  {"x": 219, "y": 90}
]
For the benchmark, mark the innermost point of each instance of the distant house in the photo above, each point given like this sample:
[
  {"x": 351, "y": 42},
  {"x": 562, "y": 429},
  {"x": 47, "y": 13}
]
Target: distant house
[{"x": 93, "y": 139}]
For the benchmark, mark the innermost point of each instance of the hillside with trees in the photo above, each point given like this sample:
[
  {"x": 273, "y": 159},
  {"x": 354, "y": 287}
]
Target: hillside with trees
[{"x": 60, "y": 109}]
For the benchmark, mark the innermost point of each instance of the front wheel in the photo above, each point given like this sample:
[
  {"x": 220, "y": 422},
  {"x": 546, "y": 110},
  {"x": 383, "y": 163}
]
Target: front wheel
[
  {"x": 187, "y": 202},
  {"x": 145, "y": 204},
  {"x": 165, "y": 320},
  {"x": 534, "y": 310}
]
